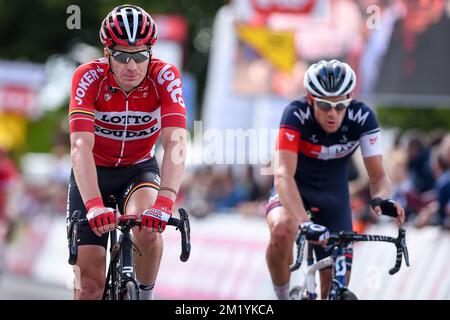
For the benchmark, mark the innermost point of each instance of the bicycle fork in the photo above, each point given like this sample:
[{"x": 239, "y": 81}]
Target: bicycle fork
[
  {"x": 339, "y": 272},
  {"x": 127, "y": 268}
]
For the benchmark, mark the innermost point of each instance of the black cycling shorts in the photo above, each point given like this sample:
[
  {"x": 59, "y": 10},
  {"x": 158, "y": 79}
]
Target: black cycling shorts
[
  {"x": 120, "y": 182},
  {"x": 335, "y": 218}
]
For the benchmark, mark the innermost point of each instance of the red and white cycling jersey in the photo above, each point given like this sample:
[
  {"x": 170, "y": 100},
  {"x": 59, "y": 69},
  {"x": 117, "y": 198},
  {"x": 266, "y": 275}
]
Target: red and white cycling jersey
[{"x": 126, "y": 126}]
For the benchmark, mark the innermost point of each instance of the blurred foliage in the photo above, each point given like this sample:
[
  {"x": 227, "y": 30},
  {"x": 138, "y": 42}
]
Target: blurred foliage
[
  {"x": 407, "y": 118},
  {"x": 47, "y": 132},
  {"x": 34, "y": 30}
]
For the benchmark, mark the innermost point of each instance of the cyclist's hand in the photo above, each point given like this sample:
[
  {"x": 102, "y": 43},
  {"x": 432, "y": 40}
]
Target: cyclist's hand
[
  {"x": 156, "y": 218},
  {"x": 388, "y": 207},
  {"x": 315, "y": 233},
  {"x": 101, "y": 219}
]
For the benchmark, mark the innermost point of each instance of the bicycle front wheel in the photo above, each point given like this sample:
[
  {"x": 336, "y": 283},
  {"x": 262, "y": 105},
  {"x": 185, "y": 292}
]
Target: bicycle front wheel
[
  {"x": 347, "y": 295},
  {"x": 130, "y": 291}
]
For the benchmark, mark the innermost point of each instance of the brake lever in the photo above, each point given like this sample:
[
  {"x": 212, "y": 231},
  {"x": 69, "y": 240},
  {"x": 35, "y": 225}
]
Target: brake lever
[
  {"x": 300, "y": 241},
  {"x": 402, "y": 251},
  {"x": 404, "y": 246}
]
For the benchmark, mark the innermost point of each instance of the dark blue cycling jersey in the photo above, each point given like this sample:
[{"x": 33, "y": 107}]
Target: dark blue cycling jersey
[{"x": 323, "y": 158}]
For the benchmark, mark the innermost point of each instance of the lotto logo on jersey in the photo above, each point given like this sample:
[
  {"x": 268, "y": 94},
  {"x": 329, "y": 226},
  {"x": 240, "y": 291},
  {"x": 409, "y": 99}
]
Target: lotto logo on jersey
[
  {"x": 128, "y": 118},
  {"x": 174, "y": 85}
]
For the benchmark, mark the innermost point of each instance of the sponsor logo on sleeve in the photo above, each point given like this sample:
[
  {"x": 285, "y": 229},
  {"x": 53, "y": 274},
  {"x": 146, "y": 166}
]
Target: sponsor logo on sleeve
[
  {"x": 86, "y": 80},
  {"x": 173, "y": 86},
  {"x": 289, "y": 136}
]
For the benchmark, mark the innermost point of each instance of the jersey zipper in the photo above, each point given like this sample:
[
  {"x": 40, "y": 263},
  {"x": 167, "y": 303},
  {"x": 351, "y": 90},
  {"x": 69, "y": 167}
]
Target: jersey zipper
[{"x": 126, "y": 125}]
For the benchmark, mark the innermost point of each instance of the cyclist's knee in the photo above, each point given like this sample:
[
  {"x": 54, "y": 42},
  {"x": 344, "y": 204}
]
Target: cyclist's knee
[
  {"x": 91, "y": 282},
  {"x": 91, "y": 288},
  {"x": 146, "y": 239},
  {"x": 281, "y": 233},
  {"x": 90, "y": 271}
]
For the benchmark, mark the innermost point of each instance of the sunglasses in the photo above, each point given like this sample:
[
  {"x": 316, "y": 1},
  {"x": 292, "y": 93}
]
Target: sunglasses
[
  {"x": 326, "y": 105},
  {"x": 125, "y": 57}
]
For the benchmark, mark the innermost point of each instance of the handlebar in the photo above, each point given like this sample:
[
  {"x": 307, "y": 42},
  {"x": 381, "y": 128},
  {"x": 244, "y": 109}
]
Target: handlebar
[
  {"x": 300, "y": 242},
  {"x": 76, "y": 224},
  {"x": 343, "y": 239}
]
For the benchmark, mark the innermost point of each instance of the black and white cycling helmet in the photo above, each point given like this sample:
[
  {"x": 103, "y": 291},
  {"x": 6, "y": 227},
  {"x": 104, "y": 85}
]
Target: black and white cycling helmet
[{"x": 329, "y": 79}]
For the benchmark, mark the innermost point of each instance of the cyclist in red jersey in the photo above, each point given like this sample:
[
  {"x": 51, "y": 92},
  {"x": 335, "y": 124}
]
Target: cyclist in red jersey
[{"x": 120, "y": 105}]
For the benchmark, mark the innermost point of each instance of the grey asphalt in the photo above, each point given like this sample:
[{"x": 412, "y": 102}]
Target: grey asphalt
[{"x": 14, "y": 287}]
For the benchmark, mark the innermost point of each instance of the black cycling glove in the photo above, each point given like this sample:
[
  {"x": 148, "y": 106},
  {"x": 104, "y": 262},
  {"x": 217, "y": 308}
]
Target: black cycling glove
[
  {"x": 315, "y": 232},
  {"x": 387, "y": 206}
]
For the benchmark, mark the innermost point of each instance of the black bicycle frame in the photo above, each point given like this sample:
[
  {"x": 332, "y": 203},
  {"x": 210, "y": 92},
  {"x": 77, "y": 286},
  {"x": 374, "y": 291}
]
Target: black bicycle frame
[
  {"x": 120, "y": 274},
  {"x": 338, "y": 243},
  {"x": 121, "y": 266}
]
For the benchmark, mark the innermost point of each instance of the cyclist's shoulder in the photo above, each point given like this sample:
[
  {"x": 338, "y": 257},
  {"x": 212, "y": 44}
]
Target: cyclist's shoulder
[
  {"x": 297, "y": 104},
  {"x": 361, "y": 115},
  {"x": 298, "y": 111},
  {"x": 89, "y": 72},
  {"x": 358, "y": 104},
  {"x": 161, "y": 71}
]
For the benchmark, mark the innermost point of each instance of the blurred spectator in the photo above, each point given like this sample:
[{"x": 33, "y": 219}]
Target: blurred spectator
[
  {"x": 257, "y": 192},
  {"x": 59, "y": 179},
  {"x": 418, "y": 159},
  {"x": 443, "y": 184},
  {"x": 418, "y": 51},
  {"x": 9, "y": 188},
  {"x": 228, "y": 192},
  {"x": 397, "y": 167},
  {"x": 248, "y": 181},
  {"x": 437, "y": 211},
  {"x": 195, "y": 191},
  {"x": 9, "y": 178},
  {"x": 435, "y": 136}
]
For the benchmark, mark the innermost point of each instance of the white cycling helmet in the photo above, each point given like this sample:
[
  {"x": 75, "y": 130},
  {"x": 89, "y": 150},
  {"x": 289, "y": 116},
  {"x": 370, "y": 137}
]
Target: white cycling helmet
[{"x": 329, "y": 79}]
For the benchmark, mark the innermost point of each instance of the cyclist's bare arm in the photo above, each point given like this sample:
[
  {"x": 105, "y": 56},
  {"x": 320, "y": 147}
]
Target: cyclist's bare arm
[
  {"x": 285, "y": 166},
  {"x": 173, "y": 140},
  {"x": 83, "y": 164},
  {"x": 380, "y": 185}
]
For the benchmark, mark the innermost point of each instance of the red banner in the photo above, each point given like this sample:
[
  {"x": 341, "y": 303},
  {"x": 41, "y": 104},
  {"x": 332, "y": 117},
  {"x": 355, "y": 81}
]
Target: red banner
[
  {"x": 286, "y": 6},
  {"x": 171, "y": 27},
  {"x": 17, "y": 99}
]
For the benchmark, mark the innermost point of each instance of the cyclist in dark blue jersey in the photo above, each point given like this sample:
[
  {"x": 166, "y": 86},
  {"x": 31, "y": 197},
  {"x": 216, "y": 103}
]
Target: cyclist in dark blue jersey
[{"x": 317, "y": 136}]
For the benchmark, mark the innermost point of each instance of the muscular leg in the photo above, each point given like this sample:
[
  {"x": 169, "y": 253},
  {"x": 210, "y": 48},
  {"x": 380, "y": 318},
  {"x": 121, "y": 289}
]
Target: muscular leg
[
  {"x": 283, "y": 231},
  {"x": 91, "y": 265},
  {"x": 150, "y": 244}
]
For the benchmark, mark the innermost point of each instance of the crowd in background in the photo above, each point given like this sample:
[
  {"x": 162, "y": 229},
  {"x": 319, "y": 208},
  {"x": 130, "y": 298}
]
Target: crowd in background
[{"x": 418, "y": 165}]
